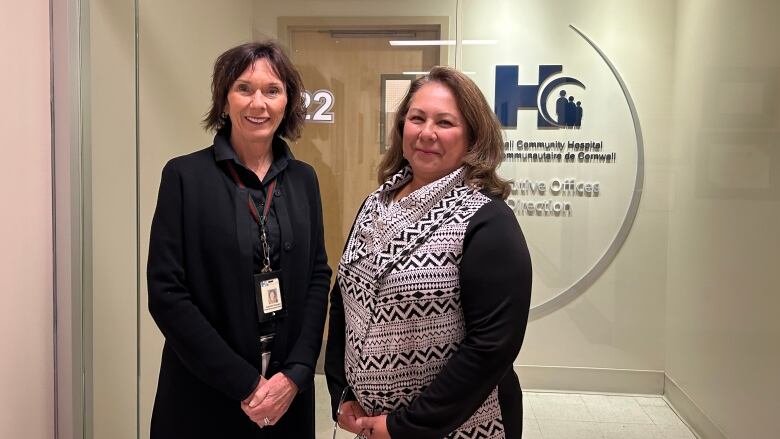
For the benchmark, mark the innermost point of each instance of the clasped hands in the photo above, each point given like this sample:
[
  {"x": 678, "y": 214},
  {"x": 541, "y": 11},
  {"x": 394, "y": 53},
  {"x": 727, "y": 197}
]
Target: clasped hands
[
  {"x": 270, "y": 400},
  {"x": 354, "y": 419}
]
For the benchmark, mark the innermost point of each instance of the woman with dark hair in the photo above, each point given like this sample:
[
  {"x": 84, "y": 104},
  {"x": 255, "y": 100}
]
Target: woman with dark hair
[
  {"x": 432, "y": 293},
  {"x": 236, "y": 223}
]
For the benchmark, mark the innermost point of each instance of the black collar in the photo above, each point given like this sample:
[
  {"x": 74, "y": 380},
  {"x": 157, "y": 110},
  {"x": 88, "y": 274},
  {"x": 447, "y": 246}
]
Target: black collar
[{"x": 223, "y": 150}]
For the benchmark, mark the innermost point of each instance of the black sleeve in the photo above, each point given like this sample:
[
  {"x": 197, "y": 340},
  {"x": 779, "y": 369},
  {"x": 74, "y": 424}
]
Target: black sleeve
[
  {"x": 495, "y": 280},
  {"x": 302, "y": 359},
  {"x": 334, "y": 351},
  {"x": 186, "y": 329},
  {"x": 335, "y": 374}
]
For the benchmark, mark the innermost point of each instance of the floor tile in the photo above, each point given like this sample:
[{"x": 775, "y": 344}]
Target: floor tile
[
  {"x": 528, "y": 409},
  {"x": 663, "y": 416},
  {"x": 630, "y": 431},
  {"x": 552, "y": 429},
  {"x": 566, "y": 398},
  {"x": 565, "y": 416},
  {"x": 322, "y": 418},
  {"x": 675, "y": 432},
  {"x": 558, "y": 406},
  {"x": 651, "y": 401},
  {"x": 618, "y": 409},
  {"x": 531, "y": 429}
]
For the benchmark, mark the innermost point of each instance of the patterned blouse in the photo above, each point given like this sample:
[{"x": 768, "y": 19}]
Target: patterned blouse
[{"x": 430, "y": 309}]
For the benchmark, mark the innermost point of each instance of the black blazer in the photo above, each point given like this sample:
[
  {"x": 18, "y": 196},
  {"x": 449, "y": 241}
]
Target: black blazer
[{"x": 201, "y": 295}]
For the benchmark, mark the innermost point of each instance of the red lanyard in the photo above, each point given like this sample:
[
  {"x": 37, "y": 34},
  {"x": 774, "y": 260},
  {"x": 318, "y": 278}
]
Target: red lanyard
[{"x": 268, "y": 197}]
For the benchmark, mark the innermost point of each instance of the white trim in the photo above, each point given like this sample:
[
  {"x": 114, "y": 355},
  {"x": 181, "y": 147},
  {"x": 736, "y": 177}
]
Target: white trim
[
  {"x": 698, "y": 422},
  {"x": 589, "y": 379}
]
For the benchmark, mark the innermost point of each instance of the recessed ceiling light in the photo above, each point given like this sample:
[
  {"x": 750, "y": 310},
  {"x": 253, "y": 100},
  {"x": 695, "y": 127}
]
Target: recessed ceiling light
[{"x": 440, "y": 42}]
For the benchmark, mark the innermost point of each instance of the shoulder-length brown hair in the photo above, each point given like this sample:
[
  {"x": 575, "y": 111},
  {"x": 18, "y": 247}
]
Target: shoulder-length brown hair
[
  {"x": 485, "y": 144},
  {"x": 231, "y": 64}
]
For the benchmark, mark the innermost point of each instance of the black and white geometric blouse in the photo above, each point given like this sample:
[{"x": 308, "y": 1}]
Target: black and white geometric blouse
[{"x": 430, "y": 309}]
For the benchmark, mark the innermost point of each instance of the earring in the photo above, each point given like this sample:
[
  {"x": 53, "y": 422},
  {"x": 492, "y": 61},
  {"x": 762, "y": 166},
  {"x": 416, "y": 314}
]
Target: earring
[{"x": 223, "y": 115}]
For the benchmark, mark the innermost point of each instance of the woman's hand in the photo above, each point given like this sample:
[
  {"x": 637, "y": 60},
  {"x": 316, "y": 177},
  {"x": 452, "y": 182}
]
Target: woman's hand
[
  {"x": 270, "y": 400},
  {"x": 349, "y": 413},
  {"x": 376, "y": 426}
]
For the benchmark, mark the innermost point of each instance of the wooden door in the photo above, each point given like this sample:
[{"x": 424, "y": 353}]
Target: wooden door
[{"x": 346, "y": 152}]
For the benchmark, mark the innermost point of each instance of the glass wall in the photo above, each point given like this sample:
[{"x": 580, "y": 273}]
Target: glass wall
[
  {"x": 641, "y": 138},
  {"x": 576, "y": 103}
]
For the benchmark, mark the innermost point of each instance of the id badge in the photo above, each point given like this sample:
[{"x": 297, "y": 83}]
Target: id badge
[{"x": 268, "y": 296}]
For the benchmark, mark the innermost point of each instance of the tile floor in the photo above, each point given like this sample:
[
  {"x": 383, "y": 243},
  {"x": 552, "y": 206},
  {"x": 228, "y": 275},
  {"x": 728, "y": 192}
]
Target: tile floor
[{"x": 568, "y": 416}]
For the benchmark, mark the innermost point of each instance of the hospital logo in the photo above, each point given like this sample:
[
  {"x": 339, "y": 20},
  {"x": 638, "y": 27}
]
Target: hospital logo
[{"x": 511, "y": 96}]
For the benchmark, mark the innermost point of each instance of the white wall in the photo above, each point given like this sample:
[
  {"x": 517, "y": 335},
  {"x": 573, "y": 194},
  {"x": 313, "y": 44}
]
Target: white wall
[
  {"x": 723, "y": 342},
  {"x": 26, "y": 273}
]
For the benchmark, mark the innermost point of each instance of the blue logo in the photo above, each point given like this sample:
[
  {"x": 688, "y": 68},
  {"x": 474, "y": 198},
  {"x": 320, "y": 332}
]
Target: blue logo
[{"x": 510, "y": 96}]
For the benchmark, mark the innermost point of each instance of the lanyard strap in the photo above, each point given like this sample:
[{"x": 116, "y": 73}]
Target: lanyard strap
[{"x": 261, "y": 221}]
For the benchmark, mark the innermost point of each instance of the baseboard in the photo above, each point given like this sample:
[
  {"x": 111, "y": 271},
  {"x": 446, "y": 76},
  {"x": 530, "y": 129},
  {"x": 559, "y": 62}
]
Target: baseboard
[
  {"x": 589, "y": 379},
  {"x": 697, "y": 420},
  {"x": 578, "y": 379}
]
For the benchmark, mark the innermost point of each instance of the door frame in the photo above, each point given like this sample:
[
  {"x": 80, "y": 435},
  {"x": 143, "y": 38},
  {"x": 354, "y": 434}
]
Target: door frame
[{"x": 287, "y": 25}]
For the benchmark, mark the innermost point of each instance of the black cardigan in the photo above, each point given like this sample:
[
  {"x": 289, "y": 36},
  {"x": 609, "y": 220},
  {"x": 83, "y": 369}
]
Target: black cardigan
[{"x": 201, "y": 295}]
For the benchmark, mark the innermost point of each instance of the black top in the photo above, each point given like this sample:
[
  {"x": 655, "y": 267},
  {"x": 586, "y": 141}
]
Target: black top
[
  {"x": 200, "y": 270},
  {"x": 257, "y": 189}
]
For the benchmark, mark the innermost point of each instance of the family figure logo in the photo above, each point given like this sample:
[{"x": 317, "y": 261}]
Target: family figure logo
[
  {"x": 540, "y": 156},
  {"x": 511, "y": 96}
]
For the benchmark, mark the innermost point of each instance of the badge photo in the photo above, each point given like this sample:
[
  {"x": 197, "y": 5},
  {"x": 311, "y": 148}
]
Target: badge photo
[{"x": 271, "y": 295}]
